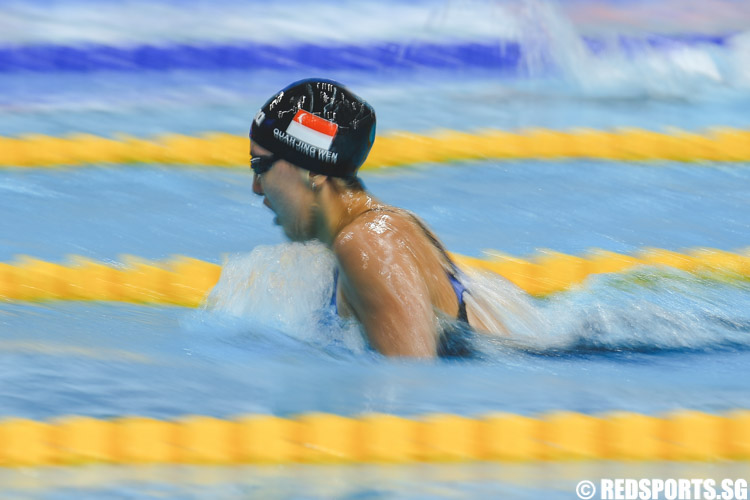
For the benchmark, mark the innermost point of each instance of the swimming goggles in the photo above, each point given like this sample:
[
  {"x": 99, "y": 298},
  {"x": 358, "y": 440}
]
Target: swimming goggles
[{"x": 262, "y": 164}]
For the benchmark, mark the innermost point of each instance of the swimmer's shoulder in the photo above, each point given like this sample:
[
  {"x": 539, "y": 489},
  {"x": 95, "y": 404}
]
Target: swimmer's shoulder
[
  {"x": 374, "y": 229},
  {"x": 374, "y": 243}
]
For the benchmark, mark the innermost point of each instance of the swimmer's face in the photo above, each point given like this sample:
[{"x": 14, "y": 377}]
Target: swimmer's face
[{"x": 286, "y": 191}]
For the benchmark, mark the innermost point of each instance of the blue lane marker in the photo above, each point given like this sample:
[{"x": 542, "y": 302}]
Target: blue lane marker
[{"x": 497, "y": 55}]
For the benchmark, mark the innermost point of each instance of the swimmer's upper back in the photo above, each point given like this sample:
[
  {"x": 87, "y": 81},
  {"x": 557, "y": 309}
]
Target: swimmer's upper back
[{"x": 397, "y": 234}]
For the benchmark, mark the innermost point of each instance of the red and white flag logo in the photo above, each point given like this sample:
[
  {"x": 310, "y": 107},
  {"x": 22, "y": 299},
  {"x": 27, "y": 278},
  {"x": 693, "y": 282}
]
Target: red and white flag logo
[{"x": 312, "y": 129}]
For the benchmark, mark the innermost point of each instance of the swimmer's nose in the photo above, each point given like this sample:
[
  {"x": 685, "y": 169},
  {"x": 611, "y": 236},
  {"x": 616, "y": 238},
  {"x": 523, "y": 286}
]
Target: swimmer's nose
[{"x": 257, "y": 188}]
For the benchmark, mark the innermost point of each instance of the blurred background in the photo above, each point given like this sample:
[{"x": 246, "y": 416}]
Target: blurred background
[{"x": 651, "y": 341}]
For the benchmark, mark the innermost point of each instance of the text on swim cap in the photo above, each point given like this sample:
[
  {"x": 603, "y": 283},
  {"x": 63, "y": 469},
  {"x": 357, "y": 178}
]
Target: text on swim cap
[
  {"x": 276, "y": 100},
  {"x": 303, "y": 147},
  {"x": 325, "y": 86},
  {"x": 259, "y": 117}
]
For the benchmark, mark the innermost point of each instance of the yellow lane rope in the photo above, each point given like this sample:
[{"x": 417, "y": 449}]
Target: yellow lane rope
[
  {"x": 185, "y": 281},
  {"x": 325, "y": 438},
  {"x": 179, "y": 281},
  {"x": 390, "y": 149}
]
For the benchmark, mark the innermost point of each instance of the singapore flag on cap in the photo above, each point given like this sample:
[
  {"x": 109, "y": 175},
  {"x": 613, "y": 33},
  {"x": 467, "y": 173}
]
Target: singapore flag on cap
[{"x": 312, "y": 129}]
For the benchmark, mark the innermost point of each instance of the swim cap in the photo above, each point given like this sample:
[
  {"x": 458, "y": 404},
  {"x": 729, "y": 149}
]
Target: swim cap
[{"x": 318, "y": 125}]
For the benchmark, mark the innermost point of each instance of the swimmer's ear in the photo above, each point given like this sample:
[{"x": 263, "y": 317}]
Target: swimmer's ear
[{"x": 317, "y": 181}]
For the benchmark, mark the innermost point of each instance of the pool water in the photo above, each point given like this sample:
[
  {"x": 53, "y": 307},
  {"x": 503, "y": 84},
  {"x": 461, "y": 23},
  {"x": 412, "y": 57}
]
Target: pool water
[
  {"x": 648, "y": 341},
  {"x": 416, "y": 482},
  {"x": 612, "y": 344}
]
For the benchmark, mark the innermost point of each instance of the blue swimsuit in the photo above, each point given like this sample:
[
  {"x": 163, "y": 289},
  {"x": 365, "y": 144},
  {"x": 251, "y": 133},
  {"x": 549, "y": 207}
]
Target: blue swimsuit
[
  {"x": 455, "y": 342},
  {"x": 458, "y": 288}
]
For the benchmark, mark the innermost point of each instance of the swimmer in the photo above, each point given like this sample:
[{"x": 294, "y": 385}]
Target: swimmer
[{"x": 392, "y": 274}]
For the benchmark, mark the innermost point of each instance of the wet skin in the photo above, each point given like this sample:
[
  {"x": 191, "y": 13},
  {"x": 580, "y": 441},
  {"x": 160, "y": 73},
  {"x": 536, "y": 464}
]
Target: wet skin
[{"x": 392, "y": 279}]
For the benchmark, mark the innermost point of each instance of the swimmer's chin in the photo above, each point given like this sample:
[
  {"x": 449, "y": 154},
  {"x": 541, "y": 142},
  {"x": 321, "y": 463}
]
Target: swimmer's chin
[{"x": 294, "y": 236}]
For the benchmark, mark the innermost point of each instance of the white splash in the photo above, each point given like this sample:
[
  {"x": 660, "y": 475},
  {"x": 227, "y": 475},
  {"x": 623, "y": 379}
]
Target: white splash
[
  {"x": 646, "y": 309},
  {"x": 287, "y": 287},
  {"x": 281, "y": 285}
]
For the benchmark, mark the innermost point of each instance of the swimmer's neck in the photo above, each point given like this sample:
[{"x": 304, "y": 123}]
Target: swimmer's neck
[{"x": 337, "y": 208}]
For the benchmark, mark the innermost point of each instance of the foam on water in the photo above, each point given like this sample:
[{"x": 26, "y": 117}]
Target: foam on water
[
  {"x": 283, "y": 289},
  {"x": 646, "y": 310},
  {"x": 622, "y": 64},
  {"x": 740, "y": 56},
  {"x": 551, "y": 35},
  {"x": 284, "y": 284},
  {"x": 137, "y": 21},
  {"x": 571, "y": 75},
  {"x": 286, "y": 289},
  {"x": 122, "y": 22}
]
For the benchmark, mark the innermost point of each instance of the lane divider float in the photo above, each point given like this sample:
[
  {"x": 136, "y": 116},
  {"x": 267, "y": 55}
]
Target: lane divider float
[
  {"x": 185, "y": 281},
  {"x": 391, "y": 149},
  {"x": 179, "y": 281},
  {"x": 378, "y": 438}
]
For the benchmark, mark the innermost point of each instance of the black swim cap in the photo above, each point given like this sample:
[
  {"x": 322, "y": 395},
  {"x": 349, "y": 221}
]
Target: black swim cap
[{"x": 318, "y": 125}]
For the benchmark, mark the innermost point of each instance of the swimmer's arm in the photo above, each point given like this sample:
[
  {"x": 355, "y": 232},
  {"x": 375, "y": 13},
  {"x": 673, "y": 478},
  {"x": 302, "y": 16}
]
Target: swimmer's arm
[{"x": 387, "y": 295}]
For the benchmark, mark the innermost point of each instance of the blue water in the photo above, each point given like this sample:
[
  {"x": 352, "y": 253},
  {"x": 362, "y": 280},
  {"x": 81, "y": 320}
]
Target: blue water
[
  {"x": 194, "y": 102},
  {"x": 413, "y": 482},
  {"x": 650, "y": 341},
  {"x": 514, "y": 207},
  {"x": 166, "y": 363}
]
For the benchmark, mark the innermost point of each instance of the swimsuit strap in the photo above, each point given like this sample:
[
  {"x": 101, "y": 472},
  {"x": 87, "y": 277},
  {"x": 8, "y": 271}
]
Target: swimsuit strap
[
  {"x": 459, "y": 289},
  {"x": 453, "y": 276},
  {"x": 334, "y": 302}
]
